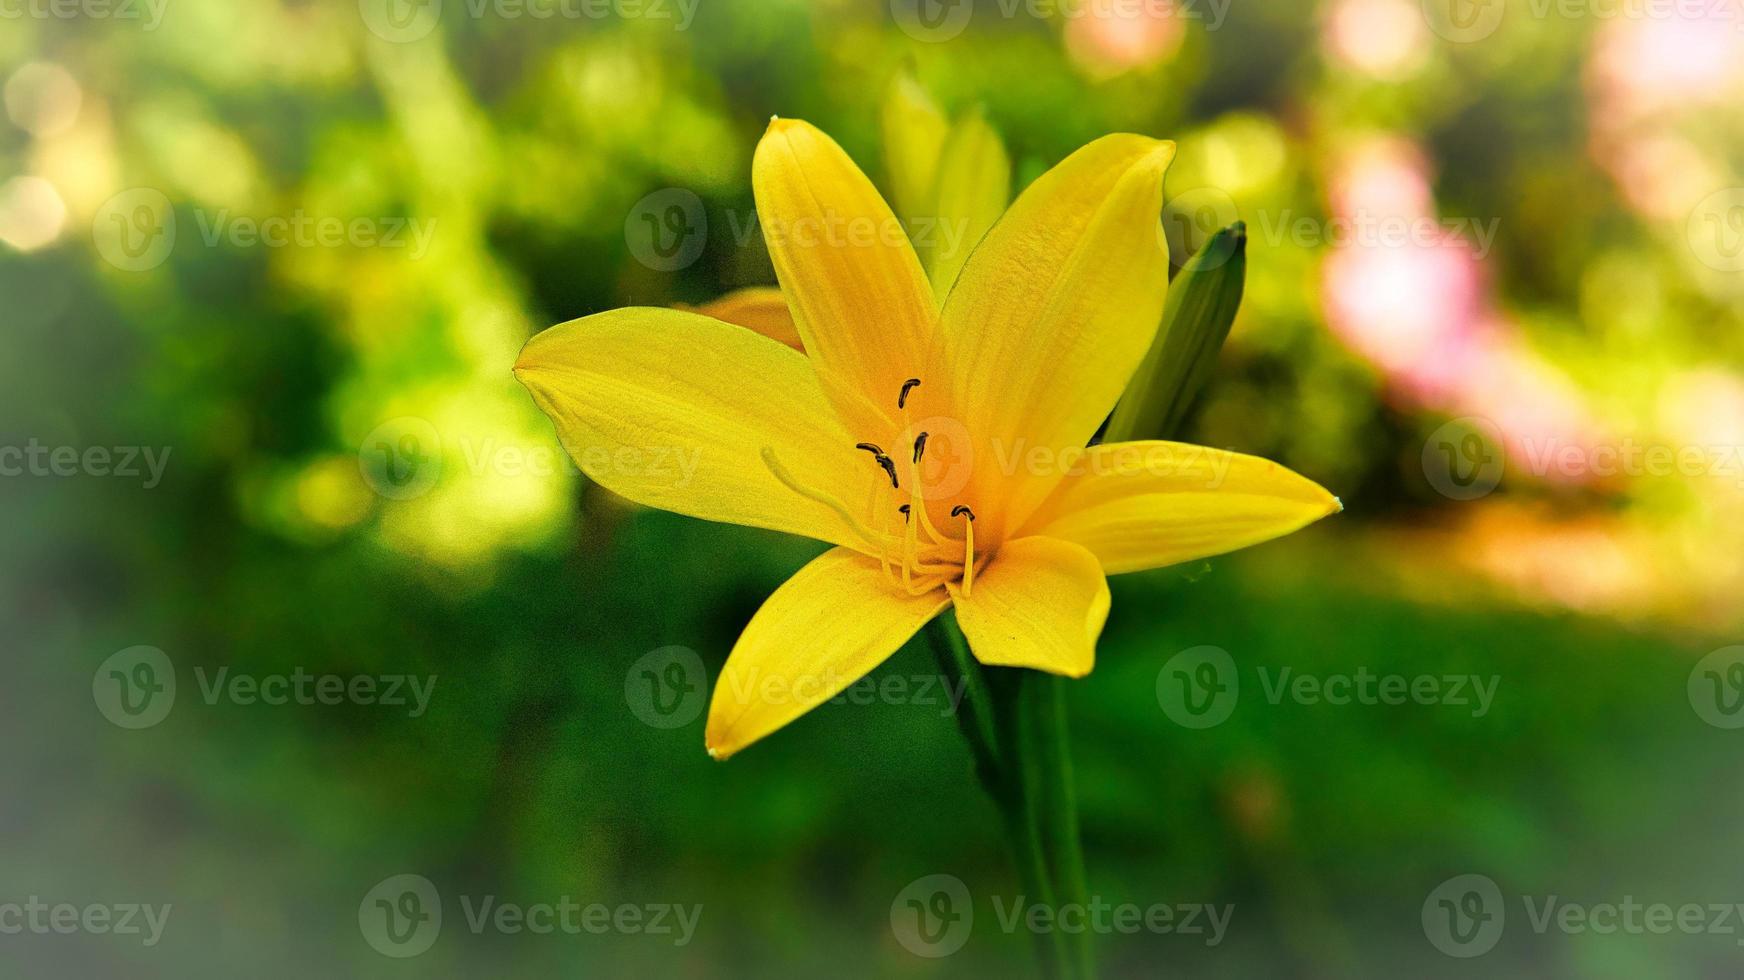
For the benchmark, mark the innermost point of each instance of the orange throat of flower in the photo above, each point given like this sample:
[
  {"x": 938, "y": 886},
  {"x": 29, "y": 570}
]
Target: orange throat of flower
[{"x": 915, "y": 564}]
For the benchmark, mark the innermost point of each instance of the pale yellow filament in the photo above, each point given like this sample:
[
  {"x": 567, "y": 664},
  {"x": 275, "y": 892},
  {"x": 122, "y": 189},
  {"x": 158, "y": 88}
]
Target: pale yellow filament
[
  {"x": 968, "y": 555},
  {"x": 917, "y": 502},
  {"x": 786, "y": 478}
]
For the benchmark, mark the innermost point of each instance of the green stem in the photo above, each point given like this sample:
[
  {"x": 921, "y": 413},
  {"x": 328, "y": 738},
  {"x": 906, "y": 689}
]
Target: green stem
[
  {"x": 975, "y": 709},
  {"x": 1024, "y": 813},
  {"x": 1047, "y": 697},
  {"x": 1015, "y": 723}
]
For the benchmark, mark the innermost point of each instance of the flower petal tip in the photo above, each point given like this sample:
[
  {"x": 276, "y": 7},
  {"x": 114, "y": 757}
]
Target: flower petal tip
[{"x": 1161, "y": 156}]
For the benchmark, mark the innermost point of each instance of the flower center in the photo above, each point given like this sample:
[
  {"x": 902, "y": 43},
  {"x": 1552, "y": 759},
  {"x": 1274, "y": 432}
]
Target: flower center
[{"x": 919, "y": 566}]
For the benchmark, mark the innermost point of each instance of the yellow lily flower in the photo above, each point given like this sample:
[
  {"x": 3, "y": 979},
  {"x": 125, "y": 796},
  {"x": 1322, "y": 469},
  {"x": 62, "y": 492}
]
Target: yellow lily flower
[
  {"x": 949, "y": 183},
  {"x": 941, "y": 450}
]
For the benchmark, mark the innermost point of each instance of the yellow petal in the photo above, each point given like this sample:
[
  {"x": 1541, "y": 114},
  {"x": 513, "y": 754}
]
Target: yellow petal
[
  {"x": 825, "y": 628},
  {"x": 914, "y": 133},
  {"x": 1052, "y": 313},
  {"x": 1139, "y": 505},
  {"x": 674, "y": 410},
  {"x": 974, "y": 186},
  {"x": 861, "y": 304},
  {"x": 759, "y": 308},
  {"x": 1040, "y": 603}
]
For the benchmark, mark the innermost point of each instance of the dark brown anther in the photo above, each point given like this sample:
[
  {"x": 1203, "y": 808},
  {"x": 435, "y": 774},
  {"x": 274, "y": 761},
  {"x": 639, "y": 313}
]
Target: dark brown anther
[
  {"x": 881, "y": 459},
  {"x": 902, "y": 397},
  {"x": 962, "y": 509},
  {"x": 919, "y": 446},
  {"x": 904, "y": 509},
  {"x": 890, "y": 468}
]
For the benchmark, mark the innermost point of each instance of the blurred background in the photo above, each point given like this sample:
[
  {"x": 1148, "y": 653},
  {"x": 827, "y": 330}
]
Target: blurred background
[{"x": 265, "y": 265}]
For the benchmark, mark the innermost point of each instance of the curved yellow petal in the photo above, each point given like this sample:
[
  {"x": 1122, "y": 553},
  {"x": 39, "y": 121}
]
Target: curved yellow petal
[
  {"x": 674, "y": 410},
  {"x": 1051, "y": 314},
  {"x": 825, "y": 628},
  {"x": 1139, "y": 505},
  {"x": 1039, "y": 603},
  {"x": 973, "y": 189},
  {"x": 859, "y": 300},
  {"x": 759, "y": 308},
  {"x": 914, "y": 132}
]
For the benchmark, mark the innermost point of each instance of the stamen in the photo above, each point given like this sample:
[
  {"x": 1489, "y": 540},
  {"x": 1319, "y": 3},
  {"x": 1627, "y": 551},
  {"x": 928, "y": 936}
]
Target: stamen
[
  {"x": 925, "y": 585},
  {"x": 919, "y": 446},
  {"x": 909, "y": 546},
  {"x": 915, "y": 494},
  {"x": 889, "y": 467},
  {"x": 923, "y": 566},
  {"x": 968, "y": 548},
  {"x": 877, "y": 496},
  {"x": 786, "y": 478},
  {"x": 902, "y": 397},
  {"x": 881, "y": 459}
]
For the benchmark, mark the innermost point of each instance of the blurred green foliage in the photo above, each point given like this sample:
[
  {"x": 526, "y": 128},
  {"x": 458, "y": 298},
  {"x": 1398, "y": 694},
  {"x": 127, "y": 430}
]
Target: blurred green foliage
[{"x": 527, "y": 148}]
